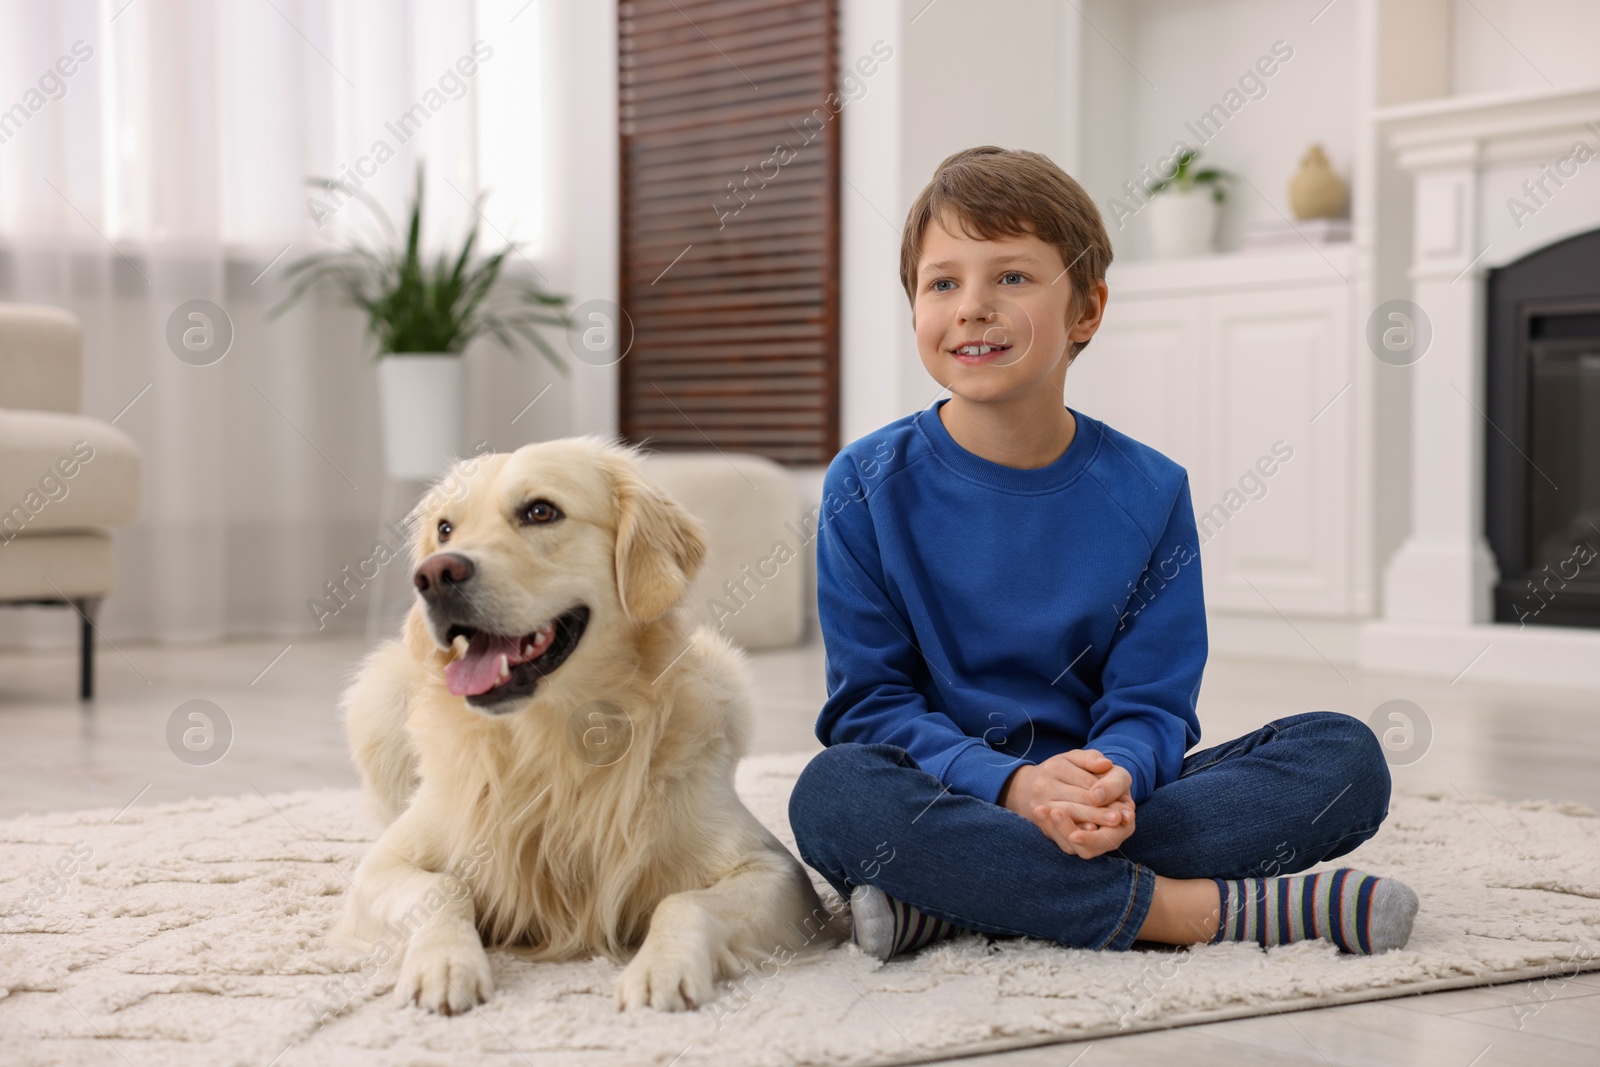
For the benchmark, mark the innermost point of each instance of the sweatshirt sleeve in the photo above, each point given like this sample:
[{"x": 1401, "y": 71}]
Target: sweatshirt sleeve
[
  {"x": 873, "y": 664},
  {"x": 1145, "y": 718}
]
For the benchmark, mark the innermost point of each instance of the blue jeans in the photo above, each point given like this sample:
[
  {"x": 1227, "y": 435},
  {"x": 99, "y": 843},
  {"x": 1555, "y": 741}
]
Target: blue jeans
[{"x": 1298, "y": 791}]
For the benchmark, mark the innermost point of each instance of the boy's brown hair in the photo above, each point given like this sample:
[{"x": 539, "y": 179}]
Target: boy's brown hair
[{"x": 997, "y": 192}]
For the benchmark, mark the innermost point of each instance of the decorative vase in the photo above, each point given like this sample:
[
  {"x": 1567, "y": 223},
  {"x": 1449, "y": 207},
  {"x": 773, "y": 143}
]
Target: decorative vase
[
  {"x": 1182, "y": 222},
  {"x": 1316, "y": 192},
  {"x": 420, "y": 398}
]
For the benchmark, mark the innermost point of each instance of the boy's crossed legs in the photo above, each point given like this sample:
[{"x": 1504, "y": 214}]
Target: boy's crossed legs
[{"x": 1296, "y": 792}]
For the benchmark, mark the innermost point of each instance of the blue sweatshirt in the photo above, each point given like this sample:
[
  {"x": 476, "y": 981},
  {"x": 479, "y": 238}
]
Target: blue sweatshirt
[{"x": 980, "y": 616}]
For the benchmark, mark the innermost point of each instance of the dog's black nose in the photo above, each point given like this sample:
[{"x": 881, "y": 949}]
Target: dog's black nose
[{"x": 440, "y": 572}]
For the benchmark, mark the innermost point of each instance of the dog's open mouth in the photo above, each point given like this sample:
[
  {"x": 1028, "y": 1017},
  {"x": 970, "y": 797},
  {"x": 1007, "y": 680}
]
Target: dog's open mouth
[{"x": 490, "y": 668}]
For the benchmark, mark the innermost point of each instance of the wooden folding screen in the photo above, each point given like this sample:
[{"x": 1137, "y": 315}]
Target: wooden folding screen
[{"x": 730, "y": 226}]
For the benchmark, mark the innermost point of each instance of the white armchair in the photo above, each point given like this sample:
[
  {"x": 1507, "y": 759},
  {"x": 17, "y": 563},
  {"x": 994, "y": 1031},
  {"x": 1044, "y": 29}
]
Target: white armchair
[{"x": 65, "y": 478}]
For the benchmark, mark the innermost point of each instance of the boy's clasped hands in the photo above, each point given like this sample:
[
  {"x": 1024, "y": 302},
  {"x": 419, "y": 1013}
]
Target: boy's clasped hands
[{"x": 1080, "y": 799}]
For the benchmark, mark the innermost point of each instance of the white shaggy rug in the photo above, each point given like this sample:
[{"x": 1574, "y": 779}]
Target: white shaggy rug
[{"x": 193, "y": 933}]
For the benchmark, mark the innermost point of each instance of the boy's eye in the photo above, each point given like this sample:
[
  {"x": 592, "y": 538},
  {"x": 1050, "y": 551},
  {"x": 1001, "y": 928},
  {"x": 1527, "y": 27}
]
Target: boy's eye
[
  {"x": 938, "y": 282},
  {"x": 1018, "y": 275}
]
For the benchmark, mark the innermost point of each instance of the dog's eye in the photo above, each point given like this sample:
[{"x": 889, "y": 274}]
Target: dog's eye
[
  {"x": 444, "y": 530},
  {"x": 538, "y": 513}
]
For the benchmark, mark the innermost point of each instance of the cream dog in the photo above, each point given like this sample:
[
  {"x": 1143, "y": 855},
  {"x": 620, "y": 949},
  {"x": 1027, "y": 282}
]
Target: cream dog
[{"x": 553, "y": 747}]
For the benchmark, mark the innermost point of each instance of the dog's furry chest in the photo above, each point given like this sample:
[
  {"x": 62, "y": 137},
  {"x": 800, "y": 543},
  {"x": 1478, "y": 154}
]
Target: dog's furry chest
[{"x": 581, "y": 870}]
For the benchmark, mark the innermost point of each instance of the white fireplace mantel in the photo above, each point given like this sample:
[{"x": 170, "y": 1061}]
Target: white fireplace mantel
[{"x": 1467, "y": 158}]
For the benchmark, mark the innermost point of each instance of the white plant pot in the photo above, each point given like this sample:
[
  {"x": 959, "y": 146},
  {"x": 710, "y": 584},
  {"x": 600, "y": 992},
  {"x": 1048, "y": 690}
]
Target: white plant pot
[
  {"x": 420, "y": 398},
  {"x": 1182, "y": 223}
]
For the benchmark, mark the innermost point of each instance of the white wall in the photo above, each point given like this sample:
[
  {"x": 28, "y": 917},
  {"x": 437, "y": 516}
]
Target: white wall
[
  {"x": 980, "y": 72},
  {"x": 1507, "y": 45},
  {"x": 872, "y": 321}
]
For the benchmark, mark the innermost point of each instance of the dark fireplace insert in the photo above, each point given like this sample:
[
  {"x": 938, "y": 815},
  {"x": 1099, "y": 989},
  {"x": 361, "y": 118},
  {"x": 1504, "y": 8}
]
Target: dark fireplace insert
[{"x": 1542, "y": 455}]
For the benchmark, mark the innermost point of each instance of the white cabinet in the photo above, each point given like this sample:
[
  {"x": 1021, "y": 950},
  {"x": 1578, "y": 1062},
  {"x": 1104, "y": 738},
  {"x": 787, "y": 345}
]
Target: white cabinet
[
  {"x": 1141, "y": 374},
  {"x": 1241, "y": 369}
]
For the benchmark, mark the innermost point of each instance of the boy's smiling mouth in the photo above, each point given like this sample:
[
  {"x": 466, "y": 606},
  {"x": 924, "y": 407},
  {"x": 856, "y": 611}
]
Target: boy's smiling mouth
[{"x": 979, "y": 351}]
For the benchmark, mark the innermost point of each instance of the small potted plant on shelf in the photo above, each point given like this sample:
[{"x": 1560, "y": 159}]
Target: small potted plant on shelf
[
  {"x": 1184, "y": 207},
  {"x": 422, "y": 314}
]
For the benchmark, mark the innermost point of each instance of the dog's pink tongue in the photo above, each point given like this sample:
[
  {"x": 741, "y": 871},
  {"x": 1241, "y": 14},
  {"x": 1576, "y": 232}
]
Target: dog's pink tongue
[{"x": 479, "y": 670}]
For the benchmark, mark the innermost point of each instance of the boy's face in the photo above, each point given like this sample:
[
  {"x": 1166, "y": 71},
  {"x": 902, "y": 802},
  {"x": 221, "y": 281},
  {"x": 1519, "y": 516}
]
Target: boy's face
[{"x": 1010, "y": 295}]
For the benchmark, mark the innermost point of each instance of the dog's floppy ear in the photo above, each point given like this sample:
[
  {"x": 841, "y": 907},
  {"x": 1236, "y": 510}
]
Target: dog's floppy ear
[{"x": 660, "y": 546}]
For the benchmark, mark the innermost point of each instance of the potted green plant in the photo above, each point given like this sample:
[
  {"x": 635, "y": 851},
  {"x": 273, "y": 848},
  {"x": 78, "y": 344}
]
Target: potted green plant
[
  {"x": 1184, "y": 207},
  {"x": 422, "y": 313}
]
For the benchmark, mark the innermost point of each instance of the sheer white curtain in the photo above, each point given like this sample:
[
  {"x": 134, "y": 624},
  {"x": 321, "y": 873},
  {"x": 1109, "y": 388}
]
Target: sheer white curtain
[{"x": 155, "y": 152}]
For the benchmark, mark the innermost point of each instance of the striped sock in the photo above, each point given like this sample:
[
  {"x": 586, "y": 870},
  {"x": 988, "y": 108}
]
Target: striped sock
[
  {"x": 886, "y": 927},
  {"x": 1361, "y": 913}
]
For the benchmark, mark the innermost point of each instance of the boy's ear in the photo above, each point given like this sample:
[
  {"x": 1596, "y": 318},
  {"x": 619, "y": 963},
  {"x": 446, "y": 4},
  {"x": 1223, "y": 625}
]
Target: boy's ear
[{"x": 1094, "y": 310}]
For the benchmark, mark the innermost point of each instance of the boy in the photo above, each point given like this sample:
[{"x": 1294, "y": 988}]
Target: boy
[{"x": 1004, "y": 582}]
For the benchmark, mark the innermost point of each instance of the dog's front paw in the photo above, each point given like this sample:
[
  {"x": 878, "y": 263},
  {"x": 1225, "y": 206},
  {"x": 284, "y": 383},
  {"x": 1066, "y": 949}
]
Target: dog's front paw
[
  {"x": 445, "y": 969},
  {"x": 665, "y": 978}
]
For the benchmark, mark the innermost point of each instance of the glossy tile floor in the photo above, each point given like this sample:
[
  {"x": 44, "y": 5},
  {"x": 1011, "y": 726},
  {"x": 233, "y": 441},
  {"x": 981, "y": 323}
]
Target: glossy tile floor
[{"x": 279, "y": 701}]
